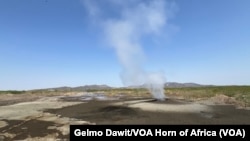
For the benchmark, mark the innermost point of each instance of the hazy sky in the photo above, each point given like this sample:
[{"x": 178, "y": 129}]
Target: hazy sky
[{"x": 53, "y": 43}]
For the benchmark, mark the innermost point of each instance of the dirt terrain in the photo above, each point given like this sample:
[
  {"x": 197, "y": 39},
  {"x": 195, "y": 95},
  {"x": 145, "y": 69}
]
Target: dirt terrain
[{"x": 48, "y": 117}]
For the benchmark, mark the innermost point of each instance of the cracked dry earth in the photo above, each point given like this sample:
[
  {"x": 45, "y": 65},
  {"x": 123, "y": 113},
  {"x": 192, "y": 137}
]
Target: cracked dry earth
[
  {"x": 48, "y": 118},
  {"x": 27, "y": 121}
]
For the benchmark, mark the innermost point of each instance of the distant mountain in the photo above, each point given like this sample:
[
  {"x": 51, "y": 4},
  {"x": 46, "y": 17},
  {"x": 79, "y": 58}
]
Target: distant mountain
[
  {"x": 174, "y": 85},
  {"x": 54, "y": 89},
  {"x": 105, "y": 87},
  {"x": 92, "y": 87},
  {"x": 181, "y": 85}
]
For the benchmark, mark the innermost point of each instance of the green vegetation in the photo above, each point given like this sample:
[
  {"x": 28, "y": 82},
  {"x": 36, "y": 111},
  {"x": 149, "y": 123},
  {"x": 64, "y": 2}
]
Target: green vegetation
[
  {"x": 239, "y": 93},
  {"x": 12, "y": 92}
]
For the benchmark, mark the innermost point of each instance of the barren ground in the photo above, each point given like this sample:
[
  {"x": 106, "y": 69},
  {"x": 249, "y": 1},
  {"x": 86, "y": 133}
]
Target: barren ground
[{"x": 33, "y": 117}]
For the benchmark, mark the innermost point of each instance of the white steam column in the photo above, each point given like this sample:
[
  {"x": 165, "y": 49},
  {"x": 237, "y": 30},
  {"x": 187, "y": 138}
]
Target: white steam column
[
  {"x": 124, "y": 26},
  {"x": 155, "y": 84}
]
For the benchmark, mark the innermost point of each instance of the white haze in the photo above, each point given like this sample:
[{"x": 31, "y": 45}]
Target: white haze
[{"x": 124, "y": 31}]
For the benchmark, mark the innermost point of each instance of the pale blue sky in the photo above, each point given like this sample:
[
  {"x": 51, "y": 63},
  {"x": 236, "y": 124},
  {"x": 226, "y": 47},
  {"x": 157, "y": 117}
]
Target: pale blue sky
[{"x": 53, "y": 43}]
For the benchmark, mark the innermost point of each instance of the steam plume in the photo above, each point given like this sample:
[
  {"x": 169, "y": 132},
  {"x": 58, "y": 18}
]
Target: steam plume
[{"x": 130, "y": 22}]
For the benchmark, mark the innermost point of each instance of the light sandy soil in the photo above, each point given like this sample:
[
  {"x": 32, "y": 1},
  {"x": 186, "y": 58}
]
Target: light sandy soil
[
  {"x": 23, "y": 118},
  {"x": 39, "y": 118}
]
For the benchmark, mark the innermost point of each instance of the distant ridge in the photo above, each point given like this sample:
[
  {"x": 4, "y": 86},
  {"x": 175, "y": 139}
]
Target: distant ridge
[
  {"x": 176, "y": 85},
  {"x": 92, "y": 87},
  {"x": 180, "y": 85},
  {"x": 106, "y": 87}
]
